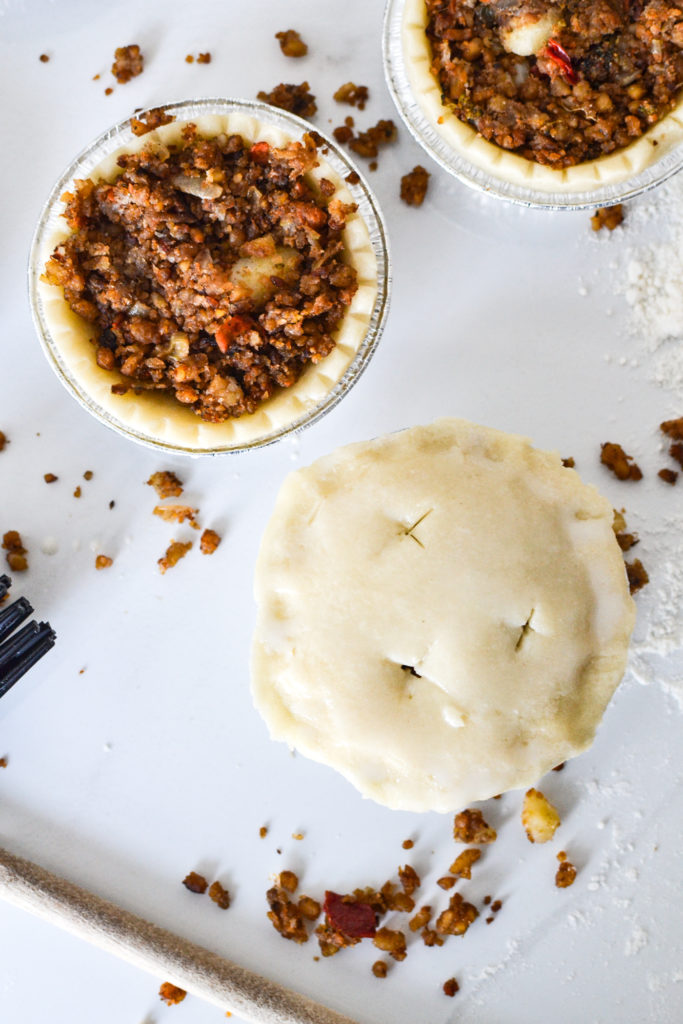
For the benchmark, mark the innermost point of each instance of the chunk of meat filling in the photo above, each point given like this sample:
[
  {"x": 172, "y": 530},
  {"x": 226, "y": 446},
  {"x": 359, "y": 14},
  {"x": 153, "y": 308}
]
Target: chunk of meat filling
[{"x": 214, "y": 269}]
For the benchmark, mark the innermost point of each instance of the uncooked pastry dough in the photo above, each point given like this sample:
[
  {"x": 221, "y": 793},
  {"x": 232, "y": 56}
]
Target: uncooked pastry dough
[
  {"x": 500, "y": 163},
  {"x": 443, "y": 614},
  {"x": 157, "y": 417}
]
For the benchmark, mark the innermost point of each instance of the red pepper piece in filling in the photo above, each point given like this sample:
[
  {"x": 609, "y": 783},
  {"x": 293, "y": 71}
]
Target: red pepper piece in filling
[
  {"x": 233, "y": 327},
  {"x": 558, "y": 55},
  {"x": 357, "y": 920},
  {"x": 259, "y": 152}
]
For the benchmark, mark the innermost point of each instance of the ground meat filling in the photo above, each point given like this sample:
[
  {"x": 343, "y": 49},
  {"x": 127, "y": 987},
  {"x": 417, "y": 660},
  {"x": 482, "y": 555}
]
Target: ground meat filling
[
  {"x": 609, "y": 70},
  {"x": 212, "y": 269}
]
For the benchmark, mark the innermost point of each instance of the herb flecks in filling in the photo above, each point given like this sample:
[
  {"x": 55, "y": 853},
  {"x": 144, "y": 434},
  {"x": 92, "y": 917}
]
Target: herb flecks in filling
[
  {"x": 600, "y": 74},
  {"x": 213, "y": 270}
]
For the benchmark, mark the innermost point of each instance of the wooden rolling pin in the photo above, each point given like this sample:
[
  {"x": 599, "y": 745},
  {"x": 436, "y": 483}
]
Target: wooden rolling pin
[{"x": 169, "y": 957}]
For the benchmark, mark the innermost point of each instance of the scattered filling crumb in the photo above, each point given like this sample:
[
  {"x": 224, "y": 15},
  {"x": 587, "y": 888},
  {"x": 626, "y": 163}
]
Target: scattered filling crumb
[
  {"x": 380, "y": 968},
  {"x": 669, "y": 476},
  {"x": 625, "y": 540},
  {"x": 171, "y": 994},
  {"x": 450, "y": 987},
  {"x": 354, "y": 95},
  {"x": 174, "y": 552},
  {"x": 291, "y": 43},
  {"x": 128, "y": 63},
  {"x": 469, "y": 827},
  {"x": 103, "y": 562},
  {"x": 462, "y": 865},
  {"x": 166, "y": 484},
  {"x": 566, "y": 872},
  {"x": 297, "y": 99},
  {"x": 195, "y": 882},
  {"x": 209, "y": 541},
  {"x": 178, "y": 514},
  {"x": 219, "y": 895},
  {"x": 609, "y": 217},
  {"x": 4, "y": 440},
  {"x": 50, "y": 478},
  {"x": 391, "y": 941},
  {"x": 622, "y": 465},
  {"x": 539, "y": 818},
  {"x": 43, "y": 58},
  {"x": 16, "y": 552},
  {"x": 458, "y": 917},
  {"x": 637, "y": 575},
  {"x": 414, "y": 186}
]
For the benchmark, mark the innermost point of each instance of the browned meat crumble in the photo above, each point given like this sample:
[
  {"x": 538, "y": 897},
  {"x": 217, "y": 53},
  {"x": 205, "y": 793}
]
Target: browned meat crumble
[
  {"x": 219, "y": 895},
  {"x": 622, "y": 465},
  {"x": 609, "y": 217},
  {"x": 637, "y": 575},
  {"x": 469, "y": 827},
  {"x": 171, "y": 994},
  {"x": 50, "y": 478},
  {"x": 204, "y": 58},
  {"x": 3, "y": 440},
  {"x": 166, "y": 484},
  {"x": 673, "y": 428},
  {"x": 414, "y": 186},
  {"x": 391, "y": 941},
  {"x": 354, "y": 95},
  {"x": 212, "y": 270},
  {"x": 209, "y": 541},
  {"x": 174, "y": 552},
  {"x": 566, "y": 872},
  {"x": 379, "y": 969},
  {"x": 43, "y": 58},
  {"x": 77, "y": 491},
  {"x": 103, "y": 562},
  {"x": 569, "y": 462},
  {"x": 195, "y": 882},
  {"x": 297, "y": 99},
  {"x": 450, "y": 987},
  {"x": 16, "y": 552},
  {"x": 128, "y": 63},
  {"x": 669, "y": 476},
  {"x": 368, "y": 143},
  {"x": 291, "y": 43},
  {"x": 457, "y": 918},
  {"x": 676, "y": 452},
  {"x": 609, "y": 72},
  {"x": 625, "y": 540},
  {"x": 462, "y": 865}
]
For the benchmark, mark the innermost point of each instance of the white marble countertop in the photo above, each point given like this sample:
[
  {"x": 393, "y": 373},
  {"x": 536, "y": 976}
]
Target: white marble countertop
[{"x": 151, "y": 762}]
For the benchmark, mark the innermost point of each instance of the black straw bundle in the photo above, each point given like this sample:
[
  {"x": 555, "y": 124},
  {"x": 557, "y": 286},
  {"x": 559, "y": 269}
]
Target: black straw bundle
[{"x": 19, "y": 652}]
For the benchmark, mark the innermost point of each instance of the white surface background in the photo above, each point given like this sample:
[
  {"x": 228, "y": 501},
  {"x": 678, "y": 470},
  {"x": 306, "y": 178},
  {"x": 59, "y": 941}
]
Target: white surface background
[{"x": 152, "y": 762}]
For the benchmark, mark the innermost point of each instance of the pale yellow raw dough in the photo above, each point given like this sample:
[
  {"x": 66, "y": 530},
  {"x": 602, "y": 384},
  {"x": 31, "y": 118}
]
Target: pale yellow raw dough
[
  {"x": 502, "y": 164},
  {"x": 431, "y": 549},
  {"x": 159, "y": 417}
]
